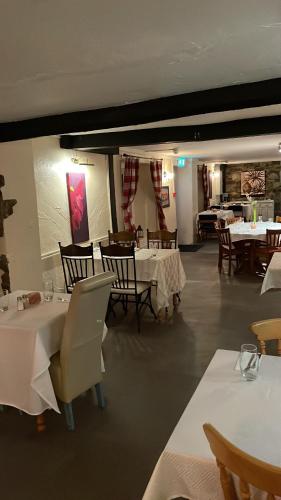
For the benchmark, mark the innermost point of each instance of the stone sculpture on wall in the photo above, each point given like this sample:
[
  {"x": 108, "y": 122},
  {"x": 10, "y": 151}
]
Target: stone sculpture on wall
[{"x": 6, "y": 209}]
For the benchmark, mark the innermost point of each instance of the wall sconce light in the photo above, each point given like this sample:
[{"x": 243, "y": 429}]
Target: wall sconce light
[
  {"x": 167, "y": 176},
  {"x": 279, "y": 147},
  {"x": 82, "y": 162}
]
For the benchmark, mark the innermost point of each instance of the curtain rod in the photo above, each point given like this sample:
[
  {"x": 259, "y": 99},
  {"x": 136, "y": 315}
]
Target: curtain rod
[{"x": 124, "y": 155}]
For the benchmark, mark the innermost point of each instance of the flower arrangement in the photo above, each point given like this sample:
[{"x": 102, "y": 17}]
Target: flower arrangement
[{"x": 254, "y": 206}]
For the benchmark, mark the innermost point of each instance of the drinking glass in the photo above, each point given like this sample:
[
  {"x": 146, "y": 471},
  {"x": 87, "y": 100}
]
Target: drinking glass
[
  {"x": 270, "y": 219},
  {"x": 4, "y": 303},
  {"x": 48, "y": 292},
  {"x": 249, "y": 361},
  {"x": 260, "y": 218}
]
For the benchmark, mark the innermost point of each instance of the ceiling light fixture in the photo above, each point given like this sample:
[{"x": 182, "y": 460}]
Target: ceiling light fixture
[{"x": 82, "y": 162}]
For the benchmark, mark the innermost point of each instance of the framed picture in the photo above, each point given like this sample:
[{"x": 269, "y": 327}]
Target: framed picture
[
  {"x": 253, "y": 182},
  {"x": 165, "y": 197},
  {"x": 76, "y": 189}
]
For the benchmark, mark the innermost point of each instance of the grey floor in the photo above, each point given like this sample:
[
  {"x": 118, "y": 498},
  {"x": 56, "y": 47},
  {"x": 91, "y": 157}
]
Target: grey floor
[{"x": 149, "y": 381}]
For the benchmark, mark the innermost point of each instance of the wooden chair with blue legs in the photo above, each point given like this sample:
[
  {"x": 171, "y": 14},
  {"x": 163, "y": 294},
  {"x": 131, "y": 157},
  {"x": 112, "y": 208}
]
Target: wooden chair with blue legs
[{"x": 76, "y": 368}]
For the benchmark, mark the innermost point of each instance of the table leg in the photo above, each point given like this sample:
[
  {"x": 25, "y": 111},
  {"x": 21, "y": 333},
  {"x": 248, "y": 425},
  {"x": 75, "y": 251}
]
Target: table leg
[{"x": 40, "y": 423}]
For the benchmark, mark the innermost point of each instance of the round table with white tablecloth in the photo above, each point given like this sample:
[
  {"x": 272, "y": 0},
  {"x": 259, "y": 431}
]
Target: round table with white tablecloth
[{"x": 244, "y": 231}]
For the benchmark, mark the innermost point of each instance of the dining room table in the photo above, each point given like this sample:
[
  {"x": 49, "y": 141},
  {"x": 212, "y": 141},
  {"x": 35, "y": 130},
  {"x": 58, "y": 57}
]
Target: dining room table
[
  {"x": 248, "y": 414},
  {"x": 272, "y": 278},
  {"x": 28, "y": 339},
  {"x": 220, "y": 213},
  {"x": 248, "y": 235},
  {"x": 162, "y": 267}
]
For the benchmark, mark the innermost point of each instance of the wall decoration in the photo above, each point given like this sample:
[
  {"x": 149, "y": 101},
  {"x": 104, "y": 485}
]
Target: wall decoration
[
  {"x": 76, "y": 189},
  {"x": 165, "y": 197},
  {"x": 253, "y": 182}
]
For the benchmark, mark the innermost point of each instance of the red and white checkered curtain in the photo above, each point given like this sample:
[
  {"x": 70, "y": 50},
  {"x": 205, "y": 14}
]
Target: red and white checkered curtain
[
  {"x": 205, "y": 183},
  {"x": 130, "y": 183},
  {"x": 156, "y": 177}
]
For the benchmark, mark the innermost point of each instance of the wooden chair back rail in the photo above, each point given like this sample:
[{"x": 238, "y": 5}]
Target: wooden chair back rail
[
  {"x": 117, "y": 260},
  {"x": 273, "y": 238},
  {"x": 266, "y": 330},
  {"x": 249, "y": 470},
  {"x": 224, "y": 237},
  {"x": 125, "y": 238},
  {"x": 77, "y": 263},
  {"x": 162, "y": 238}
]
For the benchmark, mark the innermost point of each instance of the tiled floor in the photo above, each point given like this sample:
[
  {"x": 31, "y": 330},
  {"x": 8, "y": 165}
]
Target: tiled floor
[{"x": 149, "y": 380}]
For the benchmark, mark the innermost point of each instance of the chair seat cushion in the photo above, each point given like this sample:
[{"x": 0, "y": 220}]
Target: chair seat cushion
[{"x": 142, "y": 286}]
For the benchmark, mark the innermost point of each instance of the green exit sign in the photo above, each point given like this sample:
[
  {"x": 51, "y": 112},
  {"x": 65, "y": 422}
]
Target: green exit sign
[{"x": 181, "y": 162}]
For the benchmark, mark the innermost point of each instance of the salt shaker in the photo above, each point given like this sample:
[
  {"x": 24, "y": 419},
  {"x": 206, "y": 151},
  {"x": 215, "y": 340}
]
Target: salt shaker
[
  {"x": 20, "y": 304},
  {"x": 25, "y": 301}
]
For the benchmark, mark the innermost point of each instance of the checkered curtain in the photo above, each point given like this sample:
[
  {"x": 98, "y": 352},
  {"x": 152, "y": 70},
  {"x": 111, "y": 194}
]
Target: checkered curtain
[
  {"x": 130, "y": 183},
  {"x": 156, "y": 177},
  {"x": 205, "y": 182}
]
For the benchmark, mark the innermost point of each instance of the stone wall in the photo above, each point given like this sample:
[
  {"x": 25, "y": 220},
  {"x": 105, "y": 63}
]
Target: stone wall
[{"x": 272, "y": 180}]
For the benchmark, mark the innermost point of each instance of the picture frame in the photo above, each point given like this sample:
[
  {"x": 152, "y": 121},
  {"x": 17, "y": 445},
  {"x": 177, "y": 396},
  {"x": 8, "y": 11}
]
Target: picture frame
[
  {"x": 76, "y": 190},
  {"x": 165, "y": 197}
]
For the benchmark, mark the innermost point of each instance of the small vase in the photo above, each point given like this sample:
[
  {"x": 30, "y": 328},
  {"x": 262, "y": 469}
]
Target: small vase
[{"x": 253, "y": 225}]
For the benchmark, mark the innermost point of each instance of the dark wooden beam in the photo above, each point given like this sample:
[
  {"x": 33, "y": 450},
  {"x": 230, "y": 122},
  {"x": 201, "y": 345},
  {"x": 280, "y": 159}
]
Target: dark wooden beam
[
  {"x": 191, "y": 133},
  {"x": 246, "y": 95},
  {"x": 104, "y": 151},
  {"x": 112, "y": 194}
]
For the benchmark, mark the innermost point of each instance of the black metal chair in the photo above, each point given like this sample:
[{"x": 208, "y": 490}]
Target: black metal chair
[
  {"x": 77, "y": 264},
  {"x": 206, "y": 225},
  {"x": 215, "y": 207},
  {"x": 237, "y": 210},
  {"x": 162, "y": 239},
  {"x": 126, "y": 289},
  {"x": 124, "y": 238}
]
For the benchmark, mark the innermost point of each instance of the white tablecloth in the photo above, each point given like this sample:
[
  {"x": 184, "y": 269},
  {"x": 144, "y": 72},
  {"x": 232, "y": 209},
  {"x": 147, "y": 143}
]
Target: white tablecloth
[
  {"x": 272, "y": 277},
  {"x": 161, "y": 266},
  {"x": 221, "y": 214},
  {"x": 243, "y": 231},
  {"x": 246, "y": 413},
  {"x": 27, "y": 341}
]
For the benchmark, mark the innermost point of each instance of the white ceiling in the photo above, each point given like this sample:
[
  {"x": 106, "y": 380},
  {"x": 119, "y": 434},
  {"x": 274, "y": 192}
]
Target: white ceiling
[
  {"x": 70, "y": 55},
  {"x": 246, "y": 149}
]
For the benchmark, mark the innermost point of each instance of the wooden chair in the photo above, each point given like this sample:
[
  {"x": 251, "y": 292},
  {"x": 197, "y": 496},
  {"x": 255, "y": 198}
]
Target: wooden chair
[
  {"x": 278, "y": 218},
  {"x": 266, "y": 330},
  {"x": 123, "y": 238},
  {"x": 250, "y": 470},
  {"x": 215, "y": 207},
  {"x": 126, "y": 289},
  {"x": 226, "y": 249},
  {"x": 273, "y": 244},
  {"x": 162, "y": 239},
  {"x": 237, "y": 210},
  {"x": 77, "y": 264},
  {"x": 206, "y": 225}
]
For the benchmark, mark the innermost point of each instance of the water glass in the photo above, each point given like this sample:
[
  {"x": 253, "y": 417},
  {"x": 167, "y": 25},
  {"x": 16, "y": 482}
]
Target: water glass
[
  {"x": 48, "y": 291},
  {"x": 270, "y": 219},
  {"x": 249, "y": 361},
  {"x": 4, "y": 302},
  {"x": 260, "y": 218}
]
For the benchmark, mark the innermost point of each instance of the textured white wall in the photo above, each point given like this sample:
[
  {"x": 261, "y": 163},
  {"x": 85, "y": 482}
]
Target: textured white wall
[
  {"x": 21, "y": 229},
  {"x": 50, "y": 167}
]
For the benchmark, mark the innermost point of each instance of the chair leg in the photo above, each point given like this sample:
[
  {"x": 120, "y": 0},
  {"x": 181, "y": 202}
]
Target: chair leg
[
  {"x": 220, "y": 261},
  {"x": 229, "y": 265},
  {"x": 137, "y": 313},
  {"x": 100, "y": 395},
  {"x": 150, "y": 304},
  {"x": 69, "y": 416}
]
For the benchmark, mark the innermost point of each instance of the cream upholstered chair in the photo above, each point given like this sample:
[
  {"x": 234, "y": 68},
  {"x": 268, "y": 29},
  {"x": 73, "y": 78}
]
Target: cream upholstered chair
[
  {"x": 265, "y": 330},
  {"x": 250, "y": 470},
  {"x": 77, "y": 366}
]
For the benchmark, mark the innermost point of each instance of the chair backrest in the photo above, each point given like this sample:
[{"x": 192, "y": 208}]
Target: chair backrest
[
  {"x": 224, "y": 237},
  {"x": 273, "y": 238},
  {"x": 220, "y": 224},
  {"x": 77, "y": 263},
  {"x": 120, "y": 260},
  {"x": 124, "y": 238},
  {"x": 265, "y": 330},
  {"x": 162, "y": 239},
  {"x": 278, "y": 218},
  {"x": 249, "y": 470},
  {"x": 80, "y": 353},
  {"x": 215, "y": 207},
  {"x": 235, "y": 208}
]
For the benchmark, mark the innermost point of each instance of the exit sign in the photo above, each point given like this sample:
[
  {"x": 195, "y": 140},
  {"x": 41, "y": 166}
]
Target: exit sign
[{"x": 181, "y": 162}]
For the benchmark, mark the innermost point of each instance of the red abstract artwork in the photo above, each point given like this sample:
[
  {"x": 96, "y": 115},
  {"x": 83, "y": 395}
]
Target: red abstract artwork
[{"x": 76, "y": 188}]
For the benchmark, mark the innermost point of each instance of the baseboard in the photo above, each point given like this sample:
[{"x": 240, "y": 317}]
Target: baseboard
[{"x": 189, "y": 248}]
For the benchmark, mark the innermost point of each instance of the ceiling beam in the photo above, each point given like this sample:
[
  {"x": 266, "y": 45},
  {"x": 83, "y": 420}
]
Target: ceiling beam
[
  {"x": 246, "y": 95},
  {"x": 191, "y": 133}
]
